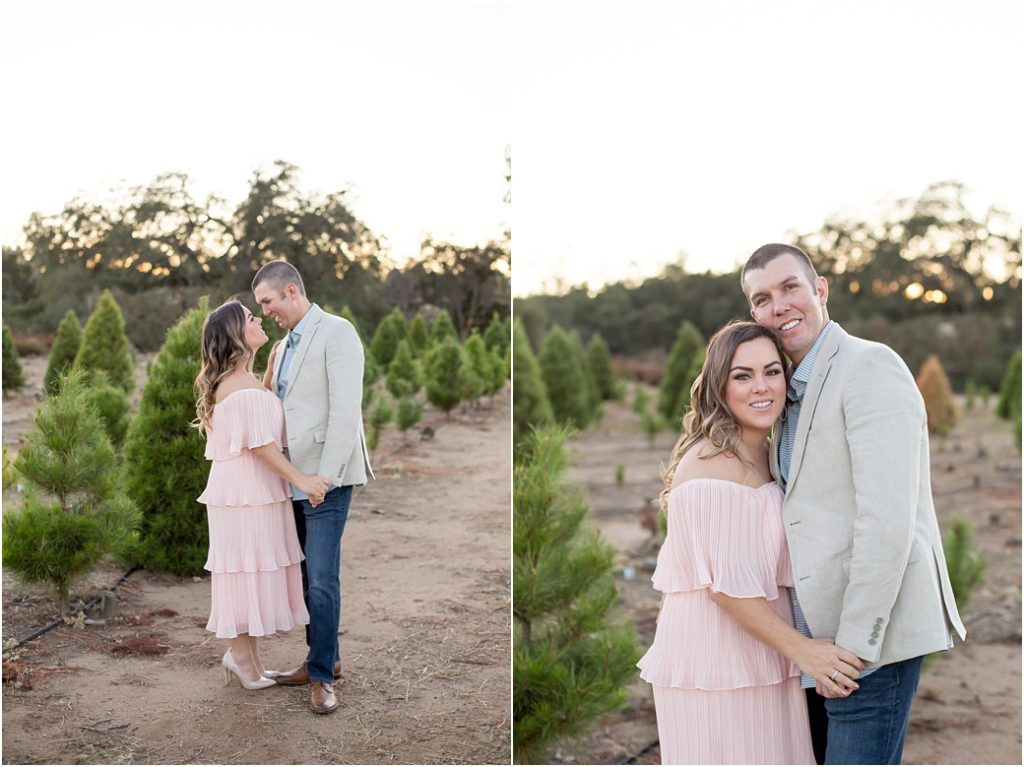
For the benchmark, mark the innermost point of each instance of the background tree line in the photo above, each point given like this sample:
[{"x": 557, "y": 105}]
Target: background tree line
[
  {"x": 157, "y": 249},
  {"x": 923, "y": 275}
]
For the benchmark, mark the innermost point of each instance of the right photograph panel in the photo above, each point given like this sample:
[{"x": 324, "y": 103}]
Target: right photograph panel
[{"x": 766, "y": 385}]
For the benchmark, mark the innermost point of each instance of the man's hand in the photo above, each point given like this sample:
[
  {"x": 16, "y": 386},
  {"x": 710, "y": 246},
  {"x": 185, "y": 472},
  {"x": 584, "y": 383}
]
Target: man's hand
[{"x": 833, "y": 668}]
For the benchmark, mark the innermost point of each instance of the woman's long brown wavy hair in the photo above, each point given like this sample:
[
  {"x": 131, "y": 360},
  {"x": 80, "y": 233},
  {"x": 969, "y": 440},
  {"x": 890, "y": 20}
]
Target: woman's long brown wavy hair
[
  {"x": 223, "y": 350},
  {"x": 709, "y": 418}
]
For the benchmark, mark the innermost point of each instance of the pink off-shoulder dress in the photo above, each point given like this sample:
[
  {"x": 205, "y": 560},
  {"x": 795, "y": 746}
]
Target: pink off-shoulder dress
[
  {"x": 722, "y": 696},
  {"x": 255, "y": 575}
]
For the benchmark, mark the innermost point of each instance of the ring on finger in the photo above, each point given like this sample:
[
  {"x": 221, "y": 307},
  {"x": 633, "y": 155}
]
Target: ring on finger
[{"x": 834, "y": 675}]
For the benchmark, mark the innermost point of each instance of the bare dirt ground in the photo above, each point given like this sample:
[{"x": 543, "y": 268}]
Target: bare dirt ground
[
  {"x": 425, "y": 639},
  {"x": 968, "y": 706}
]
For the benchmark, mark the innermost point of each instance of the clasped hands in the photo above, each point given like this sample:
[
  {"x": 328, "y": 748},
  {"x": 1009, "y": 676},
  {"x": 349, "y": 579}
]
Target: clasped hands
[
  {"x": 315, "y": 487},
  {"x": 833, "y": 668}
]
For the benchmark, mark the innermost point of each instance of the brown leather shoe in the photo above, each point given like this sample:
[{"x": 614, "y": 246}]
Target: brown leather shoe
[
  {"x": 321, "y": 698},
  {"x": 300, "y": 676}
]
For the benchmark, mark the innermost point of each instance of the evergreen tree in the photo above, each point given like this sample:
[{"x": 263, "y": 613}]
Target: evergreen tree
[
  {"x": 443, "y": 328},
  {"x": 599, "y": 360},
  {"x": 480, "y": 363},
  {"x": 498, "y": 372},
  {"x": 572, "y": 653},
  {"x": 445, "y": 375},
  {"x": 565, "y": 379},
  {"x": 1010, "y": 390},
  {"x": 165, "y": 467},
  {"x": 675, "y": 386},
  {"x": 593, "y": 394},
  {"x": 530, "y": 404},
  {"x": 111, "y": 405},
  {"x": 65, "y": 349},
  {"x": 380, "y": 416},
  {"x": 496, "y": 336},
  {"x": 13, "y": 375},
  {"x": 938, "y": 396},
  {"x": 390, "y": 332},
  {"x": 404, "y": 377},
  {"x": 684, "y": 396},
  {"x": 964, "y": 562},
  {"x": 640, "y": 398},
  {"x": 74, "y": 513},
  {"x": 409, "y": 412},
  {"x": 419, "y": 336},
  {"x": 105, "y": 345},
  {"x": 371, "y": 374}
]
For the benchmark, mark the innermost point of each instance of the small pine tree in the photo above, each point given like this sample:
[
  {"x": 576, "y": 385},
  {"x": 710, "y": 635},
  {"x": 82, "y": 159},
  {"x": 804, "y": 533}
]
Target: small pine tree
[
  {"x": 389, "y": 333},
  {"x": 496, "y": 336},
  {"x": 691, "y": 375},
  {"x": 675, "y": 386},
  {"x": 640, "y": 398},
  {"x": 1010, "y": 389},
  {"x": 408, "y": 415},
  {"x": 480, "y": 363},
  {"x": 593, "y": 394},
  {"x": 380, "y": 417},
  {"x": 970, "y": 394},
  {"x": 419, "y": 336},
  {"x": 65, "y": 349},
  {"x": 572, "y": 653},
  {"x": 599, "y": 360},
  {"x": 964, "y": 562},
  {"x": 105, "y": 345},
  {"x": 404, "y": 378},
  {"x": 530, "y": 404},
  {"x": 10, "y": 475},
  {"x": 443, "y": 328},
  {"x": 74, "y": 513},
  {"x": 565, "y": 379},
  {"x": 165, "y": 468},
  {"x": 652, "y": 423},
  {"x": 112, "y": 406},
  {"x": 13, "y": 375},
  {"x": 445, "y": 376},
  {"x": 498, "y": 372},
  {"x": 938, "y": 396}
]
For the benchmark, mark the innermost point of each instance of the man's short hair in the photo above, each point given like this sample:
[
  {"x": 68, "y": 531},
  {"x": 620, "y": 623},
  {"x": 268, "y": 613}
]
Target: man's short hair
[
  {"x": 277, "y": 274},
  {"x": 760, "y": 258}
]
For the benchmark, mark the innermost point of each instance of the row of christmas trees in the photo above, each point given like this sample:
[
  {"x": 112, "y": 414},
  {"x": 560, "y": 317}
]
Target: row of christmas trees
[{"x": 98, "y": 483}]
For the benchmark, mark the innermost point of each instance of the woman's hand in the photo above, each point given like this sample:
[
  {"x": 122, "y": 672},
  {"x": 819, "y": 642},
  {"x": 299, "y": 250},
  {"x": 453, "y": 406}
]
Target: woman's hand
[
  {"x": 833, "y": 668},
  {"x": 273, "y": 355},
  {"x": 315, "y": 487}
]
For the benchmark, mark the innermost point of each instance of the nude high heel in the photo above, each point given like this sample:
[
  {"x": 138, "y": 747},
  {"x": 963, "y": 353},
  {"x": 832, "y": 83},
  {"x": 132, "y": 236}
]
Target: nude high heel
[{"x": 230, "y": 667}]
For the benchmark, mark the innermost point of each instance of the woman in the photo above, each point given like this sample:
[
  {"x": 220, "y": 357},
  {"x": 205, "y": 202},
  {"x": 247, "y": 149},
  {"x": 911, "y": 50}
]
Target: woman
[
  {"x": 256, "y": 582},
  {"x": 725, "y": 663}
]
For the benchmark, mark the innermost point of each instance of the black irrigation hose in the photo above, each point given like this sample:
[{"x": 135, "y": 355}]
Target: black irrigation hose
[
  {"x": 87, "y": 606},
  {"x": 632, "y": 759}
]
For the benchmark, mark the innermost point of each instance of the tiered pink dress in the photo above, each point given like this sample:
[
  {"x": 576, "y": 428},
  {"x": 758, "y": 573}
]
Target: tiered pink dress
[
  {"x": 722, "y": 696},
  {"x": 256, "y": 580}
]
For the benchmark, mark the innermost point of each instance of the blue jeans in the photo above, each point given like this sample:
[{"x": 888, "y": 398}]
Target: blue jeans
[
  {"x": 869, "y": 726},
  {"x": 320, "y": 532}
]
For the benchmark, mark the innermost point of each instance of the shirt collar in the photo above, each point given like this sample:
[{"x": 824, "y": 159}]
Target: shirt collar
[
  {"x": 299, "y": 329},
  {"x": 802, "y": 374}
]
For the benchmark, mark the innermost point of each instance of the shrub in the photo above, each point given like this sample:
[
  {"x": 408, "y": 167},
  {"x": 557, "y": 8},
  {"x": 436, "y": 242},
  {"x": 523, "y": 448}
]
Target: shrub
[
  {"x": 390, "y": 332},
  {"x": 599, "y": 360},
  {"x": 620, "y": 474},
  {"x": 419, "y": 337},
  {"x": 404, "y": 377},
  {"x": 408, "y": 415},
  {"x": 640, "y": 398},
  {"x": 496, "y": 336},
  {"x": 565, "y": 380},
  {"x": 380, "y": 416},
  {"x": 572, "y": 652},
  {"x": 10, "y": 475},
  {"x": 105, "y": 345},
  {"x": 112, "y": 406},
  {"x": 530, "y": 404},
  {"x": 13, "y": 375},
  {"x": 481, "y": 364},
  {"x": 65, "y": 349},
  {"x": 165, "y": 468},
  {"x": 74, "y": 513},
  {"x": 938, "y": 396},
  {"x": 675, "y": 386},
  {"x": 965, "y": 563},
  {"x": 445, "y": 375},
  {"x": 443, "y": 328}
]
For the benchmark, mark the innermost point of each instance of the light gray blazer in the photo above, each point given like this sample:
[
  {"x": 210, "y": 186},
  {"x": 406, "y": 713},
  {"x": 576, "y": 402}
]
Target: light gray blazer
[
  {"x": 865, "y": 544},
  {"x": 323, "y": 401}
]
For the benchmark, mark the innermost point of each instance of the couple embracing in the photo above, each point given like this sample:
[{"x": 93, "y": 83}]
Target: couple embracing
[
  {"x": 286, "y": 452},
  {"x": 812, "y": 559}
]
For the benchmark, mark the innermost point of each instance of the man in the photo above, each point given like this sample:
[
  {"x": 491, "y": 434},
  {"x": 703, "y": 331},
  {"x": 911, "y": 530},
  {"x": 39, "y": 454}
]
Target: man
[
  {"x": 318, "y": 374},
  {"x": 852, "y": 457}
]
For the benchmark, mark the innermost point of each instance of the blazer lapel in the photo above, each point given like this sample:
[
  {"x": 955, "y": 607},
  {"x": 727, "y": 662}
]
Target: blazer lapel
[
  {"x": 300, "y": 354},
  {"x": 822, "y": 364}
]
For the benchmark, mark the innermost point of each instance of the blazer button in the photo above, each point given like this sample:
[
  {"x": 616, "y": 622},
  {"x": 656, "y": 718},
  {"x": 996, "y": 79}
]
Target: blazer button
[
  {"x": 872, "y": 641},
  {"x": 874, "y": 635}
]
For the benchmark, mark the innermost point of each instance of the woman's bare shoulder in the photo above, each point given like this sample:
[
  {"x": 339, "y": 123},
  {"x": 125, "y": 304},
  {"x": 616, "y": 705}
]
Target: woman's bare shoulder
[
  {"x": 697, "y": 464},
  {"x": 235, "y": 383}
]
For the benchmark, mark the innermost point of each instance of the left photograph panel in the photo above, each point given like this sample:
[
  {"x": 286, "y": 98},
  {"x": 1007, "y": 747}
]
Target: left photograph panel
[{"x": 256, "y": 383}]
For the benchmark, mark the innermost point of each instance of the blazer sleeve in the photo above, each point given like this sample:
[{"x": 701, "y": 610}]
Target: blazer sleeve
[
  {"x": 885, "y": 426},
  {"x": 344, "y": 366}
]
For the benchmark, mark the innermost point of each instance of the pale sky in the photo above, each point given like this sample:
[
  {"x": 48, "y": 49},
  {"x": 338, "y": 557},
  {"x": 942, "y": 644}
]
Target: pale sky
[
  {"x": 643, "y": 130},
  {"x": 405, "y": 103}
]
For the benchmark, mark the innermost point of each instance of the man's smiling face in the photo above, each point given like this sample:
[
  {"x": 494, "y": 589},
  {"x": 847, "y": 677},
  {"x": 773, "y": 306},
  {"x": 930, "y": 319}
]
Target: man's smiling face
[{"x": 783, "y": 296}]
